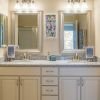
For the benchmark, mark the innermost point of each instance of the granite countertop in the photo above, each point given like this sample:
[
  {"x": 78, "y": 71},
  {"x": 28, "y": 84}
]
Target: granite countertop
[{"x": 47, "y": 63}]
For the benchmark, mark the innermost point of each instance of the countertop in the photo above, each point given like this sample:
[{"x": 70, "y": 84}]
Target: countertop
[{"x": 49, "y": 63}]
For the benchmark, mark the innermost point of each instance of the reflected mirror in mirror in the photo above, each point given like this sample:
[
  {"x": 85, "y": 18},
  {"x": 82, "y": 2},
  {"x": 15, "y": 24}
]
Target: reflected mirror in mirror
[
  {"x": 3, "y": 30},
  {"x": 27, "y": 31},
  {"x": 76, "y": 30}
]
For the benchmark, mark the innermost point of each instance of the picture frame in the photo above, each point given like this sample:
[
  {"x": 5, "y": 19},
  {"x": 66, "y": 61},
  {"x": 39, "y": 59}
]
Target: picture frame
[
  {"x": 11, "y": 51},
  {"x": 50, "y": 25},
  {"x": 89, "y": 52}
]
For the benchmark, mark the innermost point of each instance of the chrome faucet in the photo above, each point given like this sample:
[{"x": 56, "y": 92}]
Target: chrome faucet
[
  {"x": 76, "y": 57},
  {"x": 25, "y": 55}
]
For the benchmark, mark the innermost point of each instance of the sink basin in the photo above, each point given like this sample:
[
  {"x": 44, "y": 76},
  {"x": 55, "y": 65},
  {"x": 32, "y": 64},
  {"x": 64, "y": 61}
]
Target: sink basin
[{"x": 24, "y": 60}]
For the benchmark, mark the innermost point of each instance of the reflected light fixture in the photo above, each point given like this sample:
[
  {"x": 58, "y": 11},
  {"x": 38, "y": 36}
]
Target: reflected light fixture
[
  {"x": 76, "y": 6},
  {"x": 25, "y": 6}
]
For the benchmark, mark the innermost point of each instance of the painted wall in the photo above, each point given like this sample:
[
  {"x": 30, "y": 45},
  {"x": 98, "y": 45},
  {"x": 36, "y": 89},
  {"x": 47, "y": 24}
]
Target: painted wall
[
  {"x": 4, "y": 7},
  {"x": 50, "y": 6},
  {"x": 97, "y": 26}
]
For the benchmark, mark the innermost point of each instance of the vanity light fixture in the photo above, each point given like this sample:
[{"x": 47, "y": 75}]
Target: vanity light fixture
[
  {"x": 84, "y": 6},
  {"x": 25, "y": 6},
  {"x": 76, "y": 6},
  {"x": 17, "y": 6}
]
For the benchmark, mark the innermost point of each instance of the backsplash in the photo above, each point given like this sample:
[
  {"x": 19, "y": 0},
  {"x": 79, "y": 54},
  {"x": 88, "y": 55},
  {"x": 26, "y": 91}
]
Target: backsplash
[{"x": 32, "y": 56}]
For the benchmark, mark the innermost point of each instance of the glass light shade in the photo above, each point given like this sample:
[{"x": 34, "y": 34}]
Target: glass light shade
[
  {"x": 24, "y": 6},
  {"x": 69, "y": 7},
  {"x": 17, "y": 6},
  {"x": 84, "y": 7},
  {"x": 33, "y": 7},
  {"x": 76, "y": 6}
]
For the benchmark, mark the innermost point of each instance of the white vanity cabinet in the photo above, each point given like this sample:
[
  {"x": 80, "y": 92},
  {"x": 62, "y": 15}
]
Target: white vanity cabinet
[
  {"x": 21, "y": 85},
  {"x": 84, "y": 85},
  {"x": 9, "y": 89},
  {"x": 90, "y": 89},
  {"x": 29, "y": 88},
  {"x": 69, "y": 88},
  {"x": 49, "y": 83}
]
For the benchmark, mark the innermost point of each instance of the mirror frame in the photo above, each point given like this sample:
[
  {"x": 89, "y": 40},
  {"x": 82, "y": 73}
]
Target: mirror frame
[
  {"x": 14, "y": 30},
  {"x": 4, "y": 29},
  {"x": 91, "y": 35}
]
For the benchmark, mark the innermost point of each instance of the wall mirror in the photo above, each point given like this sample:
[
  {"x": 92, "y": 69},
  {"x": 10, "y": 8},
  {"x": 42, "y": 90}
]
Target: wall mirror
[
  {"x": 27, "y": 31},
  {"x": 3, "y": 30},
  {"x": 76, "y": 30}
]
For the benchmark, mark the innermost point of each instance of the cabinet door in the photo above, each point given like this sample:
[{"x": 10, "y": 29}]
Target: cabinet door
[
  {"x": 9, "y": 88},
  {"x": 29, "y": 88},
  {"x": 69, "y": 88},
  {"x": 90, "y": 88}
]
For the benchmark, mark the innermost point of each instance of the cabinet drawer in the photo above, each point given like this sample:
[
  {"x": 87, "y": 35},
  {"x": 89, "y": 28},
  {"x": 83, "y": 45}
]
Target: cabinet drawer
[
  {"x": 49, "y": 97},
  {"x": 49, "y": 90},
  {"x": 50, "y": 71},
  {"x": 49, "y": 81},
  {"x": 80, "y": 71},
  {"x": 21, "y": 70}
]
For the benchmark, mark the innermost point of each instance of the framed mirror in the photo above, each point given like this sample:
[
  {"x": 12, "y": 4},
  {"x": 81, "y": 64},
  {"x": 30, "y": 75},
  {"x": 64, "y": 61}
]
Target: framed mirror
[
  {"x": 3, "y": 30},
  {"x": 76, "y": 31},
  {"x": 27, "y": 31}
]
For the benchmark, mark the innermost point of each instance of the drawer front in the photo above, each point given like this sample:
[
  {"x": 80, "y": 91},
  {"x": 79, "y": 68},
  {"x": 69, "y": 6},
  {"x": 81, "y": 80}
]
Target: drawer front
[
  {"x": 80, "y": 71},
  {"x": 49, "y": 90},
  {"x": 49, "y": 97},
  {"x": 50, "y": 71},
  {"x": 20, "y": 70},
  {"x": 49, "y": 81}
]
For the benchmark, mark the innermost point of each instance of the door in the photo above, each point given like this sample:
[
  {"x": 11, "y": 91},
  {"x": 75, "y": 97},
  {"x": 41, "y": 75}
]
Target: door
[
  {"x": 29, "y": 88},
  {"x": 69, "y": 88},
  {"x": 9, "y": 88},
  {"x": 91, "y": 88}
]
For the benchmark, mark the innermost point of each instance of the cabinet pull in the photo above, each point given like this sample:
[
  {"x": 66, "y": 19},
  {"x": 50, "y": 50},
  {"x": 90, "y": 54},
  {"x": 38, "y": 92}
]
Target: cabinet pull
[
  {"x": 82, "y": 82},
  {"x": 49, "y": 71},
  {"x": 21, "y": 82},
  {"x": 49, "y": 81},
  {"x": 49, "y": 90},
  {"x": 17, "y": 82},
  {"x": 78, "y": 82}
]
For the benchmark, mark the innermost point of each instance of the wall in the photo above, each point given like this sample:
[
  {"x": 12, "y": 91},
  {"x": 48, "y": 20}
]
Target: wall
[
  {"x": 49, "y": 6},
  {"x": 97, "y": 26},
  {"x": 4, "y": 7}
]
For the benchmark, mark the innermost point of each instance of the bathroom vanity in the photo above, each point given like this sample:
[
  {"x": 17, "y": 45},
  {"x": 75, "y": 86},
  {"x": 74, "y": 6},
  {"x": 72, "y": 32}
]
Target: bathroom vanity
[{"x": 49, "y": 80}]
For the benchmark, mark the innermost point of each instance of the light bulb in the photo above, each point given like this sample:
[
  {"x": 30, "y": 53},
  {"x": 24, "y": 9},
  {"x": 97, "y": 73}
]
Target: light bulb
[
  {"x": 84, "y": 7},
  {"x": 17, "y": 6},
  {"x": 76, "y": 6},
  {"x": 33, "y": 7},
  {"x": 69, "y": 7},
  {"x": 24, "y": 6}
]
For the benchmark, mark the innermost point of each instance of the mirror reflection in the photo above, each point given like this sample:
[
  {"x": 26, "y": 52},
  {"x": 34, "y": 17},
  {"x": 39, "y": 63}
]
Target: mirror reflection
[
  {"x": 27, "y": 31},
  {"x": 3, "y": 30},
  {"x": 75, "y": 31}
]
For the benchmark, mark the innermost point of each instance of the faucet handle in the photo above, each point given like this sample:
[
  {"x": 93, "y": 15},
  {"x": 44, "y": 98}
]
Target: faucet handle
[{"x": 25, "y": 55}]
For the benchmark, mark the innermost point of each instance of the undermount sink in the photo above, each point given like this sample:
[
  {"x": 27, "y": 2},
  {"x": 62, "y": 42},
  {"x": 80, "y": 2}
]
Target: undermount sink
[
  {"x": 24, "y": 60},
  {"x": 46, "y": 62}
]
